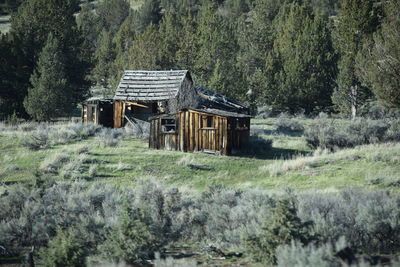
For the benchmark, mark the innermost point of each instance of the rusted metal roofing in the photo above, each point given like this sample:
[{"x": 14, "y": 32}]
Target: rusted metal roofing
[{"x": 140, "y": 85}]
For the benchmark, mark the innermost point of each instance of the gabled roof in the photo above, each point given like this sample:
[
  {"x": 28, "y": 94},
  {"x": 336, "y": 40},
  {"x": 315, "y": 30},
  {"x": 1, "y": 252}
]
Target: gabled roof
[{"x": 141, "y": 85}]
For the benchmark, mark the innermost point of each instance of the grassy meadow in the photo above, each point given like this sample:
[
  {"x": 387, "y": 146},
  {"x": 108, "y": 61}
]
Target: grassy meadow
[{"x": 290, "y": 163}]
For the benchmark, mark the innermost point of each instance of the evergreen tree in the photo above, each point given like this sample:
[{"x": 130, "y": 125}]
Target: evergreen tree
[
  {"x": 300, "y": 70},
  {"x": 111, "y": 14},
  {"x": 284, "y": 227},
  {"x": 31, "y": 25},
  {"x": 188, "y": 46},
  {"x": 12, "y": 74},
  {"x": 145, "y": 52},
  {"x": 104, "y": 58},
  {"x": 149, "y": 13},
  {"x": 50, "y": 96},
  {"x": 169, "y": 34},
  {"x": 379, "y": 65},
  {"x": 358, "y": 20},
  {"x": 217, "y": 42}
]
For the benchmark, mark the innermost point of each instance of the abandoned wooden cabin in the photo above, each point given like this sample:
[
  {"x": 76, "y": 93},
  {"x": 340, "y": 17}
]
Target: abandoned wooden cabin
[
  {"x": 142, "y": 94},
  {"x": 98, "y": 111},
  {"x": 200, "y": 130}
]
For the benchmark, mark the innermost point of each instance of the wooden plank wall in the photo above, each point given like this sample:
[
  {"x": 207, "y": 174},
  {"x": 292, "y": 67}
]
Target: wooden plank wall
[
  {"x": 160, "y": 140},
  {"x": 195, "y": 136},
  {"x": 192, "y": 133},
  {"x": 118, "y": 114}
]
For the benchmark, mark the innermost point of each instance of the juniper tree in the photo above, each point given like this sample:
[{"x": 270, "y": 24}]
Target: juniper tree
[
  {"x": 300, "y": 69},
  {"x": 379, "y": 64},
  {"x": 358, "y": 19},
  {"x": 104, "y": 57},
  {"x": 283, "y": 228},
  {"x": 31, "y": 25},
  {"x": 50, "y": 94}
]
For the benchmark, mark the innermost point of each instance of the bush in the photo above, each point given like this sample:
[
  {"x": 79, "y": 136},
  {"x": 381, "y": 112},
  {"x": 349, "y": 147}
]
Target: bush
[
  {"x": 109, "y": 137},
  {"x": 358, "y": 132},
  {"x": 289, "y": 125},
  {"x": 93, "y": 171},
  {"x": 65, "y": 249},
  {"x": 133, "y": 238},
  {"x": 298, "y": 255},
  {"x": 284, "y": 227},
  {"x": 141, "y": 129},
  {"x": 53, "y": 163},
  {"x": 73, "y": 169},
  {"x": 37, "y": 139}
]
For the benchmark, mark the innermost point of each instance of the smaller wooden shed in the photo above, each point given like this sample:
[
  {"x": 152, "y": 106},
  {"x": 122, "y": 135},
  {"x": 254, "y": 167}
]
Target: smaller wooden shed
[
  {"x": 98, "y": 111},
  {"x": 200, "y": 130}
]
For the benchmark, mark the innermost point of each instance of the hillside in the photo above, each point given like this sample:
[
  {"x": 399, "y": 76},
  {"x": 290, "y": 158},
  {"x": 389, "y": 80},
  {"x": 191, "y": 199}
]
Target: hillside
[{"x": 370, "y": 166}]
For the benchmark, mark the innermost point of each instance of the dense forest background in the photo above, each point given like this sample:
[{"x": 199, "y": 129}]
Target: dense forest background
[{"x": 292, "y": 56}]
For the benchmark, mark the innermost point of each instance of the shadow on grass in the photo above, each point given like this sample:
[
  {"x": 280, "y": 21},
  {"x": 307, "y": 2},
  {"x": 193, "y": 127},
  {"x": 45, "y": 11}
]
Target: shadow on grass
[
  {"x": 273, "y": 153},
  {"x": 277, "y": 133}
]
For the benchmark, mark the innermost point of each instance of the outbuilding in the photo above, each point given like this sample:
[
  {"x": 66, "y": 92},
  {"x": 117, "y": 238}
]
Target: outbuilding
[
  {"x": 99, "y": 111},
  {"x": 200, "y": 130},
  {"x": 142, "y": 94}
]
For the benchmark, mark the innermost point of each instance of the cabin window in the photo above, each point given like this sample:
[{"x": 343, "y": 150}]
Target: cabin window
[
  {"x": 168, "y": 125},
  {"x": 207, "y": 122}
]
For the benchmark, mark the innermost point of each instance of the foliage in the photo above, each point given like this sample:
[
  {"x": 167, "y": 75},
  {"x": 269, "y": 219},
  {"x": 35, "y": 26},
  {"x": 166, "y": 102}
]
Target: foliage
[
  {"x": 357, "y": 132},
  {"x": 357, "y": 20},
  {"x": 300, "y": 69},
  {"x": 285, "y": 226},
  {"x": 109, "y": 137},
  {"x": 133, "y": 239},
  {"x": 50, "y": 95},
  {"x": 64, "y": 249},
  {"x": 31, "y": 27},
  {"x": 379, "y": 65}
]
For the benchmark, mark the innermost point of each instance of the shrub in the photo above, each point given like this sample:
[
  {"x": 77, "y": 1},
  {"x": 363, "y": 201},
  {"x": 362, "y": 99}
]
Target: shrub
[
  {"x": 133, "y": 239},
  {"x": 109, "y": 137},
  {"x": 54, "y": 162},
  {"x": 73, "y": 169},
  {"x": 170, "y": 262},
  {"x": 284, "y": 227},
  {"x": 298, "y": 255},
  {"x": 37, "y": 139},
  {"x": 358, "y": 132},
  {"x": 141, "y": 129},
  {"x": 289, "y": 125},
  {"x": 92, "y": 171},
  {"x": 65, "y": 249}
]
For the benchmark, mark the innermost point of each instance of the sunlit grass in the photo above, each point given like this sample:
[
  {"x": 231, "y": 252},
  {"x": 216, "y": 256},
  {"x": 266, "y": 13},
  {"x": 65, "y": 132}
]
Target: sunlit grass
[{"x": 290, "y": 163}]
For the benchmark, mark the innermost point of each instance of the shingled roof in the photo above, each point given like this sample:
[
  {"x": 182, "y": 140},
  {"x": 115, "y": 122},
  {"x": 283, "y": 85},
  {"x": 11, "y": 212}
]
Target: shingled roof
[{"x": 139, "y": 85}]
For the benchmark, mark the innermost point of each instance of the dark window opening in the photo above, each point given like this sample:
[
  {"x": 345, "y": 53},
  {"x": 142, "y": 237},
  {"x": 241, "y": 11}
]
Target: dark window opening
[
  {"x": 207, "y": 122},
  {"x": 168, "y": 125}
]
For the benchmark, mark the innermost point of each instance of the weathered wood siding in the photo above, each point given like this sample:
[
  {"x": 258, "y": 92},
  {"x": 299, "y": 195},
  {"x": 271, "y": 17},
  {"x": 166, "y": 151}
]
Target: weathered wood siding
[
  {"x": 119, "y": 110},
  {"x": 162, "y": 140},
  {"x": 204, "y": 132}
]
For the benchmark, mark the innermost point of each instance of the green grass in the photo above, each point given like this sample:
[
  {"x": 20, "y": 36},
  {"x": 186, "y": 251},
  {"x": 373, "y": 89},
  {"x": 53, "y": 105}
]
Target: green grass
[{"x": 374, "y": 166}]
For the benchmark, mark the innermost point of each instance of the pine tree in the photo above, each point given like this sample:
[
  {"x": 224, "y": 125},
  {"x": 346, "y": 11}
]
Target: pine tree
[
  {"x": 104, "y": 58},
  {"x": 50, "y": 95},
  {"x": 187, "y": 44},
  {"x": 284, "y": 227},
  {"x": 358, "y": 19},
  {"x": 31, "y": 25},
  {"x": 145, "y": 52},
  {"x": 217, "y": 43},
  {"x": 379, "y": 64},
  {"x": 300, "y": 70}
]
